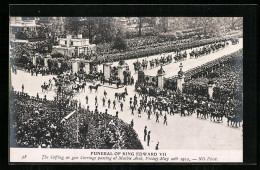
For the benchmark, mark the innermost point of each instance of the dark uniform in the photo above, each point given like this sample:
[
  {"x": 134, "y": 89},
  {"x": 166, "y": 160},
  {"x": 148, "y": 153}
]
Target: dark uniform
[
  {"x": 157, "y": 117},
  {"x": 165, "y": 119},
  {"x": 149, "y": 114},
  {"x": 105, "y": 93},
  {"x": 132, "y": 108},
  {"x": 96, "y": 101},
  {"x": 130, "y": 102},
  {"x": 135, "y": 103},
  {"x": 114, "y": 104},
  {"x": 139, "y": 112},
  {"x": 86, "y": 99},
  {"x": 145, "y": 133},
  {"x": 22, "y": 88},
  {"x": 109, "y": 102},
  {"x": 171, "y": 110},
  {"x": 148, "y": 138},
  {"x": 104, "y": 101},
  {"x": 121, "y": 105}
]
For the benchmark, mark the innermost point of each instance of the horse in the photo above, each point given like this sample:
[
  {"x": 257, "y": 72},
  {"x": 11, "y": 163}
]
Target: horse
[
  {"x": 82, "y": 86},
  {"x": 119, "y": 96},
  {"x": 45, "y": 87},
  {"x": 94, "y": 87}
]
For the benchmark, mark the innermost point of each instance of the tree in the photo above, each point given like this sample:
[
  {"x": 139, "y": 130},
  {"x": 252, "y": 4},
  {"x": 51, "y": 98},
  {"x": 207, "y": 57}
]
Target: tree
[
  {"x": 140, "y": 24},
  {"x": 235, "y": 21},
  {"x": 106, "y": 30},
  {"x": 73, "y": 25},
  {"x": 119, "y": 41},
  {"x": 91, "y": 25},
  {"x": 164, "y": 24},
  {"x": 206, "y": 23}
]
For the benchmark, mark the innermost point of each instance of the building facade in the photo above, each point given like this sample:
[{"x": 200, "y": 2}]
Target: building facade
[{"x": 74, "y": 46}]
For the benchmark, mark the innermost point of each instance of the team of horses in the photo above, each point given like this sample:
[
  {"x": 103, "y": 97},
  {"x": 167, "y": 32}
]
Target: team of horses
[
  {"x": 207, "y": 49},
  {"x": 153, "y": 63}
]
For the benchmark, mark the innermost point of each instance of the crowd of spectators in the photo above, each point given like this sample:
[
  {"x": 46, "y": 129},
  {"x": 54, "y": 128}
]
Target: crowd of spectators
[
  {"x": 227, "y": 92},
  {"x": 37, "y": 122}
]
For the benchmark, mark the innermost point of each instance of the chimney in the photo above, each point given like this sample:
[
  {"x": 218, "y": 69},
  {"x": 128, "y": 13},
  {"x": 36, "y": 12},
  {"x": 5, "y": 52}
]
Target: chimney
[
  {"x": 68, "y": 40},
  {"x": 79, "y": 35}
]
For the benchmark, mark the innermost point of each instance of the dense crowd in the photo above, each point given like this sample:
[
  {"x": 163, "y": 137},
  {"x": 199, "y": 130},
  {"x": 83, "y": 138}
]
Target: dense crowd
[
  {"x": 227, "y": 93},
  {"x": 38, "y": 122},
  {"x": 158, "y": 48}
]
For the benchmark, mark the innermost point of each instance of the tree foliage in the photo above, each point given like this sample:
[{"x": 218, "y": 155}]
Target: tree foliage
[
  {"x": 73, "y": 25},
  {"x": 119, "y": 41}
]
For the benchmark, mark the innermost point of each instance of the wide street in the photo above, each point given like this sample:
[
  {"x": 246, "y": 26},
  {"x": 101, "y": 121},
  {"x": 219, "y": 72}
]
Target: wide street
[{"x": 181, "y": 133}]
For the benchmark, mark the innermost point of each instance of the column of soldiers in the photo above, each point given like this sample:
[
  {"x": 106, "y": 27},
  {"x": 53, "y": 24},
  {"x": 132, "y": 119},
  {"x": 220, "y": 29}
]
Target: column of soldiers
[{"x": 150, "y": 106}]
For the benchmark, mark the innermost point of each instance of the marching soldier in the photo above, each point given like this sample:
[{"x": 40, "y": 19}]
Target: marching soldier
[
  {"x": 130, "y": 102},
  {"x": 148, "y": 138},
  {"x": 109, "y": 102},
  {"x": 139, "y": 112},
  {"x": 114, "y": 104},
  {"x": 105, "y": 93},
  {"x": 22, "y": 88},
  {"x": 132, "y": 108},
  {"x": 117, "y": 114},
  {"x": 149, "y": 113},
  {"x": 161, "y": 110},
  {"x": 165, "y": 119},
  {"x": 157, "y": 117},
  {"x": 121, "y": 105},
  {"x": 135, "y": 98},
  {"x": 145, "y": 132},
  {"x": 86, "y": 99},
  {"x": 126, "y": 91},
  {"x": 104, "y": 101},
  {"x": 96, "y": 101},
  {"x": 135, "y": 103},
  {"x": 171, "y": 110}
]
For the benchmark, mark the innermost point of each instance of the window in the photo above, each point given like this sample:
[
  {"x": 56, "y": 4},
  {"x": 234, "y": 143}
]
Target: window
[{"x": 65, "y": 42}]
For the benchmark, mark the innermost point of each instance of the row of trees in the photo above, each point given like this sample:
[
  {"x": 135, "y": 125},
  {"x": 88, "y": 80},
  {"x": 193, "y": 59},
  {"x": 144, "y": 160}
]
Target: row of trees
[{"x": 104, "y": 29}]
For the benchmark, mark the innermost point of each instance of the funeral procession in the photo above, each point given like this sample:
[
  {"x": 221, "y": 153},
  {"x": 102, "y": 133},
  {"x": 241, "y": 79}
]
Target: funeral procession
[{"x": 143, "y": 83}]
